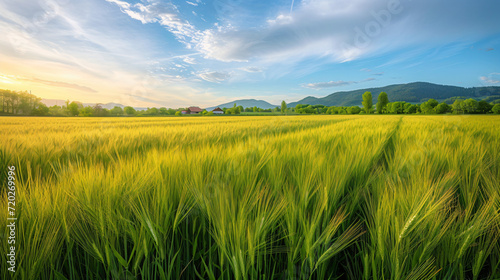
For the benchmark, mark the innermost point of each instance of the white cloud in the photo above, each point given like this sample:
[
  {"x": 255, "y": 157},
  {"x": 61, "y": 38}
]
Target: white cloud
[
  {"x": 252, "y": 69},
  {"x": 346, "y": 30},
  {"x": 8, "y": 79},
  {"x": 59, "y": 84},
  {"x": 323, "y": 85},
  {"x": 371, "y": 71},
  {"x": 493, "y": 78},
  {"x": 166, "y": 14},
  {"x": 191, "y": 3},
  {"x": 214, "y": 76},
  {"x": 281, "y": 19},
  {"x": 74, "y": 51},
  {"x": 189, "y": 60},
  {"x": 85, "y": 43}
]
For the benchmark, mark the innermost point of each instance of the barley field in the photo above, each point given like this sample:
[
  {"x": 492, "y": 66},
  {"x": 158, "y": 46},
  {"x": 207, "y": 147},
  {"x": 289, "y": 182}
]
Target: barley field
[{"x": 291, "y": 197}]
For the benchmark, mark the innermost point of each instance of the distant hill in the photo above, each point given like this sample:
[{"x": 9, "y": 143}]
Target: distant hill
[
  {"x": 413, "y": 92},
  {"x": 246, "y": 103},
  {"x": 52, "y": 102},
  {"x": 109, "y": 106}
]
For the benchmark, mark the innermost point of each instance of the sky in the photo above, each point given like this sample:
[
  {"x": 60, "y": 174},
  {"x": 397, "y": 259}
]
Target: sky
[{"x": 158, "y": 53}]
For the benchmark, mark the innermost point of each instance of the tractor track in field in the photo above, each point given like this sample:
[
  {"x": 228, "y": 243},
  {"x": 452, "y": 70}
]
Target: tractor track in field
[{"x": 386, "y": 151}]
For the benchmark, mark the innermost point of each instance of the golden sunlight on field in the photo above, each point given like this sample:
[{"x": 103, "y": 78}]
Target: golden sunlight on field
[{"x": 292, "y": 197}]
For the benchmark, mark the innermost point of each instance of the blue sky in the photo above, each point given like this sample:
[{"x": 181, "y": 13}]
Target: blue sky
[{"x": 199, "y": 52}]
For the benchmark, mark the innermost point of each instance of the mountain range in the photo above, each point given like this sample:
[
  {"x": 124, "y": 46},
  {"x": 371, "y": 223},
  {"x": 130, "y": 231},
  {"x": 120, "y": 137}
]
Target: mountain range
[
  {"x": 243, "y": 102},
  {"x": 417, "y": 92},
  {"x": 109, "y": 106},
  {"x": 246, "y": 103},
  {"x": 413, "y": 93}
]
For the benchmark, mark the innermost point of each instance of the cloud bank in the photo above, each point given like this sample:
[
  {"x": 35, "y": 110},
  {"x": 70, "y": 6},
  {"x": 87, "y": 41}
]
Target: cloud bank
[
  {"x": 331, "y": 84},
  {"x": 339, "y": 30}
]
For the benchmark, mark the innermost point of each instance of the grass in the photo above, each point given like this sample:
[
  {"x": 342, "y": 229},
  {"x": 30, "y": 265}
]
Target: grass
[{"x": 283, "y": 197}]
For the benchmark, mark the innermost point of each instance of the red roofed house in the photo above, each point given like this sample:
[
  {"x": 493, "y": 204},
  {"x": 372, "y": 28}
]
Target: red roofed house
[
  {"x": 218, "y": 111},
  {"x": 194, "y": 110}
]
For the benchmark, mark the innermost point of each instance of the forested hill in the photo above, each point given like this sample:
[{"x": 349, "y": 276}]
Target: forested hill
[
  {"x": 414, "y": 93},
  {"x": 246, "y": 103}
]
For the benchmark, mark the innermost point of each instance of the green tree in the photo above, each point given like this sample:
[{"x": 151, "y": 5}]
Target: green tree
[
  {"x": 104, "y": 112},
  {"x": 116, "y": 111},
  {"x": 484, "y": 107},
  {"x": 99, "y": 111},
  {"x": 67, "y": 102},
  {"x": 428, "y": 107},
  {"x": 40, "y": 110},
  {"x": 152, "y": 111},
  {"x": 496, "y": 109},
  {"x": 233, "y": 111},
  {"x": 332, "y": 110},
  {"x": 8, "y": 101},
  {"x": 86, "y": 112},
  {"x": 470, "y": 106},
  {"x": 18, "y": 102},
  {"x": 283, "y": 107},
  {"x": 442, "y": 108},
  {"x": 458, "y": 106},
  {"x": 178, "y": 113},
  {"x": 27, "y": 102},
  {"x": 382, "y": 102},
  {"x": 73, "y": 108},
  {"x": 354, "y": 110},
  {"x": 397, "y": 107},
  {"x": 163, "y": 111},
  {"x": 367, "y": 102},
  {"x": 129, "y": 110},
  {"x": 412, "y": 109},
  {"x": 56, "y": 111}
]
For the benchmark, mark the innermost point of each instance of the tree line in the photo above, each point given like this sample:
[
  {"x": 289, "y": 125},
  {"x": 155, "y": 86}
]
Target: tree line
[
  {"x": 19, "y": 103},
  {"x": 383, "y": 106},
  {"x": 23, "y": 103},
  {"x": 27, "y": 104}
]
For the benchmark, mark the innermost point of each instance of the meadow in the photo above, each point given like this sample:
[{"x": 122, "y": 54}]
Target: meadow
[{"x": 255, "y": 197}]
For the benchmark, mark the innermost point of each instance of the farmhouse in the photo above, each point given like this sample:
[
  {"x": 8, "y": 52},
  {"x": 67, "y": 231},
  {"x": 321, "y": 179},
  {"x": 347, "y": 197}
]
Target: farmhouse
[
  {"x": 192, "y": 111},
  {"x": 218, "y": 111},
  {"x": 195, "y": 110}
]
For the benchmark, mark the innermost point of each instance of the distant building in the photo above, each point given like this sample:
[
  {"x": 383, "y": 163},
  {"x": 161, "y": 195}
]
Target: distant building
[
  {"x": 194, "y": 110},
  {"x": 218, "y": 111}
]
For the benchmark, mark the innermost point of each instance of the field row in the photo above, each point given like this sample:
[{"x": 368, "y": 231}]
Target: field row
[{"x": 297, "y": 197}]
